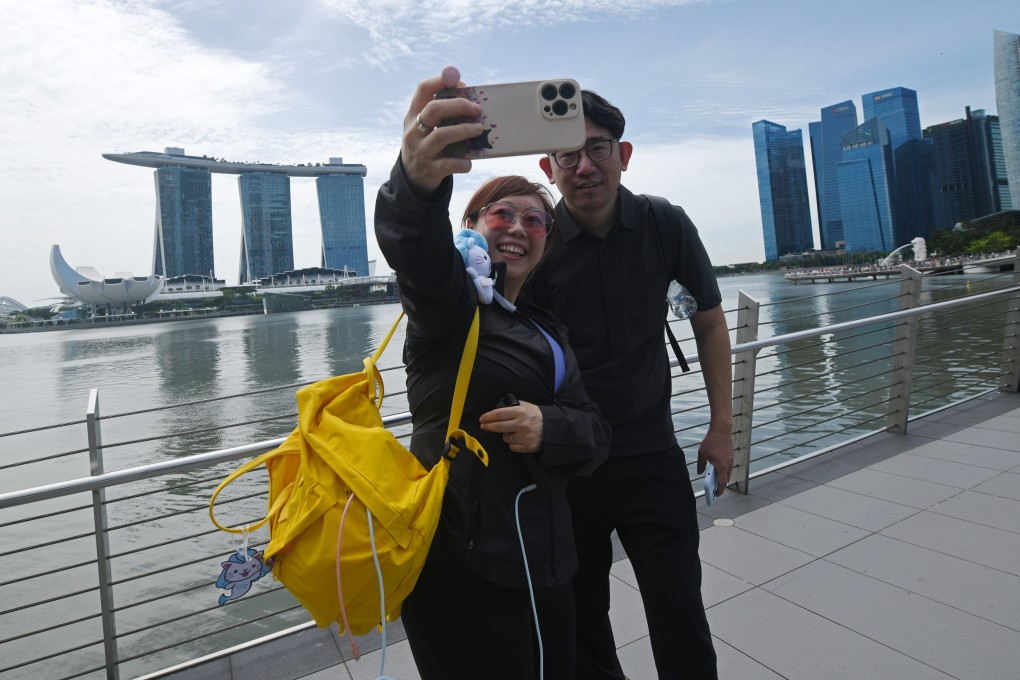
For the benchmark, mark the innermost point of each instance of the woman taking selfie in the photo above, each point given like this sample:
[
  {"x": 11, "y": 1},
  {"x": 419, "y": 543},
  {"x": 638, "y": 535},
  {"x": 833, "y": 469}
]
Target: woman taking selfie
[{"x": 473, "y": 611}]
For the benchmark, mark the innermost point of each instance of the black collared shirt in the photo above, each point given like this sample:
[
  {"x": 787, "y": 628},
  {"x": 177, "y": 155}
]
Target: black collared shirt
[{"x": 611, "y": 294}]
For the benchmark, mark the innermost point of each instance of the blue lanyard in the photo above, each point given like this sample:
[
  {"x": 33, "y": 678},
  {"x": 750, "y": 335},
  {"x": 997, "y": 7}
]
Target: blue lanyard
[{"x": 558, "y": 361}]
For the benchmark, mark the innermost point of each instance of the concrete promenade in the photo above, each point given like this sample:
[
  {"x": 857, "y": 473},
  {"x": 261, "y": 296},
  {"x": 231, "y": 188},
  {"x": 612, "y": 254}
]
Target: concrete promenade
[{"x": 894, "y": 558}]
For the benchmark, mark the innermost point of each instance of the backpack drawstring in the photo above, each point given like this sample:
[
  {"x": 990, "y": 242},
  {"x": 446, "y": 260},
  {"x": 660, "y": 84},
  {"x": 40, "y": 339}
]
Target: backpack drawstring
[
  {"x": 355, "y": 650},
  {"x": 527, "y": 572},
  {"x": 382, "y": 599}
]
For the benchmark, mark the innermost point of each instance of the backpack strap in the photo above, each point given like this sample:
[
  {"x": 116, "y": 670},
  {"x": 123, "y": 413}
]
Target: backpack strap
[
  {"x": 665, "y": 223},
  {"x": 456, "y": 438},
  {"x": 245, "y": 469}
]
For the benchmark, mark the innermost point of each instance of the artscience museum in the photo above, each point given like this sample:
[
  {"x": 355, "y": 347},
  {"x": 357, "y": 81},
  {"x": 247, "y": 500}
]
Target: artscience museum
[{"x": 87, "y": 285}]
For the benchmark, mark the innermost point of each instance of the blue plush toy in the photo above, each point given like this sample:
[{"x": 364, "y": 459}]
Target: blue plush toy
[{"x": 475, "y": 251}]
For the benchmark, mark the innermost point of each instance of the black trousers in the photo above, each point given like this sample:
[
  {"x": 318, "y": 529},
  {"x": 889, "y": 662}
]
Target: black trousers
[
  {"x": 462, "y": 626},
  {"x": 649, "y": 501}
]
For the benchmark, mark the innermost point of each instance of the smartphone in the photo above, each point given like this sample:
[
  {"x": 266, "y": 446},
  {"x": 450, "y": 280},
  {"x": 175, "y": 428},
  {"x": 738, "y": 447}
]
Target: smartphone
[
  {"x": 539, "y": 116},
  {"x": 710, "y": 484}
]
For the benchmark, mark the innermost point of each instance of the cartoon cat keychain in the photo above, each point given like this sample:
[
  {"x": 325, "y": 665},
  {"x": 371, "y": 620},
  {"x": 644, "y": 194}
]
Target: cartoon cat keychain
[{"x": 243, "y": 567}]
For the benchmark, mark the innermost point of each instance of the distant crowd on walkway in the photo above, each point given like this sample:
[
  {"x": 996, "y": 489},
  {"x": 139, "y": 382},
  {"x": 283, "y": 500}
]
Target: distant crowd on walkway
[{"x": 879, "y": 268}]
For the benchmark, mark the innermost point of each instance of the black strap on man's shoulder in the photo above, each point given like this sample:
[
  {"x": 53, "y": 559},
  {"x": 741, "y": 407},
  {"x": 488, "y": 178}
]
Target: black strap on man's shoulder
[{"x": 666, "y": 225}]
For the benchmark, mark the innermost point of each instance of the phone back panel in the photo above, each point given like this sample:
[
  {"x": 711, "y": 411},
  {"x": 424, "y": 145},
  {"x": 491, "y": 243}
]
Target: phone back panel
[{"x": 541, "y": 116}]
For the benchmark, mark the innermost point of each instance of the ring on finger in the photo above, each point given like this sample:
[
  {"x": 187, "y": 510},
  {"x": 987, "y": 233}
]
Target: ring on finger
[
  {"x": 511, "y": 435},
  {"x": 422, "y": 127}
]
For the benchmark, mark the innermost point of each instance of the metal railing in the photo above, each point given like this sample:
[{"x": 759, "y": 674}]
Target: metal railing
[{"x": 113, "y": 574}]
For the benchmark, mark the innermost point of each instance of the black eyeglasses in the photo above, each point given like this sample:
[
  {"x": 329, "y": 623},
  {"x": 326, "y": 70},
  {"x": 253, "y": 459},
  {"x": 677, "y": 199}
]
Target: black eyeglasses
[
  {"x": 501, "y": 216},
  {"x": 597, "y": 150}
]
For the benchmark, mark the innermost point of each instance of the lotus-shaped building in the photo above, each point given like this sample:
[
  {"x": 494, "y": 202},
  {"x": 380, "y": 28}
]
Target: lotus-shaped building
[{"x": 123, "y": 290}]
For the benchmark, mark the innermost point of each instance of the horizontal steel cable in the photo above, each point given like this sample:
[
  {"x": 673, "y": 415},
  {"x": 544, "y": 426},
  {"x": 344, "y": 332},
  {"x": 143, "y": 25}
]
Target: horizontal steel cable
[
  {"x": 54, "y": 655},
  {"x": 221, "y": 629},
  {"x": 49, "y": 572},
  {"x": 828, "y": 434},
  {"x": 45, "y": 515}
]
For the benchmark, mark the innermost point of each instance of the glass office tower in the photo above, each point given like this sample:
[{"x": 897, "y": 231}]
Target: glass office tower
[
  {"x": 782, "y": 189},
  {"x": 897, "y": 108},
  {"x": 865, "y": 177},
  {"x": 914, "y": 215},
  {"x": 1007, "y": 99},
  {"x": 184, "y": 235},
  {"x": 267, "y": 242},
  {"x": 1002, "y": 185},
  {"x": 827, "y": 152},
  {"x": 969, "y": 169},
  {"x": 342, "y": 214},
  {"x": 912, "y": 161}
]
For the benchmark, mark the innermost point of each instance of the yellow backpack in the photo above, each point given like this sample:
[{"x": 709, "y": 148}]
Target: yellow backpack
[{"x": 339, "y": 459}]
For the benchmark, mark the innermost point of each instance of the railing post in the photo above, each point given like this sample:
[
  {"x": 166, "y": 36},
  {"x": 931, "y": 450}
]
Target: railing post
[
  {"x": 743, "y": 390},
  {"x": 102, "y": 540},
  {"x": 1010, "y": 380},
  {"x": 904, "y": 348}
]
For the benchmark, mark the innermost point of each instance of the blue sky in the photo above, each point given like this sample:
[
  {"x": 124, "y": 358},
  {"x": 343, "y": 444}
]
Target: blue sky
[{"x": 298, "y": 81}]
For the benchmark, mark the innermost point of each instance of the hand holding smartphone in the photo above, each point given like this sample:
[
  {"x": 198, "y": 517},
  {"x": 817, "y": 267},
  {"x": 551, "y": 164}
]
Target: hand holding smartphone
[{"x": 541, "y": 116}]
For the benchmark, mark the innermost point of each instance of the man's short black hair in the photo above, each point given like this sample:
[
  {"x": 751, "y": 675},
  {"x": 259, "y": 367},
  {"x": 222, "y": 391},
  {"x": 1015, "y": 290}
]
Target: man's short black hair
[{"x": 602, "y": 113}]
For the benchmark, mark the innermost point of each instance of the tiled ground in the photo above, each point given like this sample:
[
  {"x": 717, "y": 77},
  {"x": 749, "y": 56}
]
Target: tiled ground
[{"x": 896, "y": 558}]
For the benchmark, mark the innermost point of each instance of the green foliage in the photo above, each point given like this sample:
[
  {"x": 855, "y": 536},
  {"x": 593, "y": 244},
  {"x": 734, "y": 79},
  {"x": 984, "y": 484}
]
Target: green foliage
[
  {"x": 995, "y": 242},
  {"x": 989, "y": 234},
  {"x": 949, "y": 242},
  {"x": 39, "y": 313}
]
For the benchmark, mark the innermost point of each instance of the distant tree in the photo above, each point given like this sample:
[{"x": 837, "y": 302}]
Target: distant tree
[
  {"x": 995, "y": 242},
  {"x": 949, "y": 242},
  {"x": 40, "y": 312}
]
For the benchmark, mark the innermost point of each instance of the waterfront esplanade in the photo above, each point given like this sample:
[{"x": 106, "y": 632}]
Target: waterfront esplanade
[{"x": 183, "y": 241}]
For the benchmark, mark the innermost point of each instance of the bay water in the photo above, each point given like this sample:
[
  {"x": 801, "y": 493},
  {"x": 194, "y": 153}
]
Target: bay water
[{"x": 172, "y": 389}]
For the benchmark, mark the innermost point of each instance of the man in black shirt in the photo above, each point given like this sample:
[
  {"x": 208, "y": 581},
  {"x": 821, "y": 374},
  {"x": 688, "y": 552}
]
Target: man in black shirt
[{"x": 606, "y": 278}]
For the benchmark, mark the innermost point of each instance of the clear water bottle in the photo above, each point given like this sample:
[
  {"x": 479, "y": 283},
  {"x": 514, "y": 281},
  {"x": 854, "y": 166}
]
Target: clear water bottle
[{"x": 681, "y": 301}]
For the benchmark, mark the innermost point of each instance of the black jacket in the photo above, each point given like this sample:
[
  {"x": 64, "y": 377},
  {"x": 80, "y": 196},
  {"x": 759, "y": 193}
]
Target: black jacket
[{"x": 416, "y": 238}]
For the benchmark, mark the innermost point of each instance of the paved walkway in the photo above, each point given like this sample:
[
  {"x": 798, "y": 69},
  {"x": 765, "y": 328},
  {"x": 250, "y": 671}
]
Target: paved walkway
[{"x": 896, "y": 558}]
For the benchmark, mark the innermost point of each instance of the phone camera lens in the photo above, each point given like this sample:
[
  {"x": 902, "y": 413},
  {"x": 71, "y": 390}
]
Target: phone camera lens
[
  {"x": 567, "y": 90},
  {"x": 560, "y": 107},
  {"x": 549, "y": 92}
]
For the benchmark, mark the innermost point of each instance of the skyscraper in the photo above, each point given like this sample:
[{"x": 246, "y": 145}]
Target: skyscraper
[
  {"x": 897, "y": 108},
  {"x": 342, "y": 214},
  {"x": 914, "y": 167},
  {"x": 782, "y": 189},
  {"x": 969, "y": 171},
  {"x": 910, "y": 184},
  {"x": 865, "y": 177},
  {"x": 826, "y": 154},
  {"x": 1007, "y": 99},
  {"x": 267, "y": 242},
  {"x": 1002, "y": 185},
  {"x": 184, "y": 235}
]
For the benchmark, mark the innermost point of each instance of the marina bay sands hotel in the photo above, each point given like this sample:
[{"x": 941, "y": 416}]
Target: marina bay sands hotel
[{"x": 184, "y": 236}]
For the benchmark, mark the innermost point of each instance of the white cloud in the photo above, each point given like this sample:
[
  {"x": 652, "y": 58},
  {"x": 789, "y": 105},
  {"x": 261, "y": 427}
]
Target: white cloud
[
  {"x": 399, "y": 28},
  {"x": 110, "y": 76}
]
